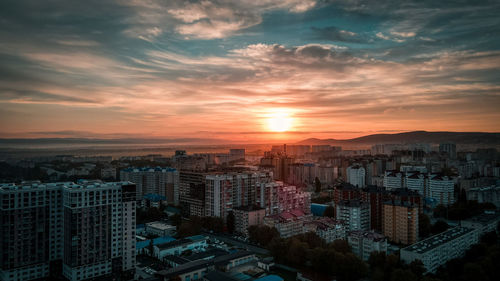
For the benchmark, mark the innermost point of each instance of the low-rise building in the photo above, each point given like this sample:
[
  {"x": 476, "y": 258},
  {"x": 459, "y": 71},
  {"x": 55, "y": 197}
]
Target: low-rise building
[
  {"x": 229, "y": 261},
  {"x": 266, "y": 263},
  {"x": 438, "y": 249},
  {"x": 288, "y": 224},
  {"x": 363, "y": 243},
  {"x": 159, "y": 228},
  {"x": 326, "y": 228},
  {"x": 189, "y": 271},
  {"x": 198, "y": 242}
]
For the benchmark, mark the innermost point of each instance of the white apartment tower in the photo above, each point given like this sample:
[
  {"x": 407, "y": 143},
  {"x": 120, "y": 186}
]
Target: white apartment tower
[{"x": 356, "y": 175}]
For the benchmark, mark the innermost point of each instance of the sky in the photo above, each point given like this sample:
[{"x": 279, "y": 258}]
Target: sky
[{"x": 250, "y": 70}]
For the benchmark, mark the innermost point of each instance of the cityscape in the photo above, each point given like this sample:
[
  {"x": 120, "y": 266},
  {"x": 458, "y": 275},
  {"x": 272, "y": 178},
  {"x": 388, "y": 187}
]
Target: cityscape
[{"x": 268, "y": 140}]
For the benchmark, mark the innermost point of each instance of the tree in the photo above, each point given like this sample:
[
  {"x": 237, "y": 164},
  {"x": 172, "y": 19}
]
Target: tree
[
  {"x": 329, "y": 212},
  {"x": 403, "y": 275},
  {"x": 188, "y": 229},
  {"x": 312, "y": 239},
  {"x": 296, "y": 252},
  {"x": 230, "y": 222},
  {"x": 424, "y": 225},
  {"x": 417, "y": 267},
  {"x": 340, "y": 246},
  {"x": 262, "y": 234},
  {"x": 151, "y": 248},
  {"x": 439, "y": 227},
  {"x": 317, "y": 184},
  {"x": 176, "y": 220},
  {"x": 440, "y": 211},
  {"x": 377, "y": 259},
  {"x": 474, "y": 271}
]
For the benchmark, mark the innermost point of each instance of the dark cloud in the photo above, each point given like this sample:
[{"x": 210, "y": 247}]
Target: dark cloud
[{"x": 37, "y": 96}]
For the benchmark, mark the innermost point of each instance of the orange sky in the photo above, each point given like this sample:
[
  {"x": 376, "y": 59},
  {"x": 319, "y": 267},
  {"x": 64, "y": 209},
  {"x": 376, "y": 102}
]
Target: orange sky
[{"x": 226, "y": 69}]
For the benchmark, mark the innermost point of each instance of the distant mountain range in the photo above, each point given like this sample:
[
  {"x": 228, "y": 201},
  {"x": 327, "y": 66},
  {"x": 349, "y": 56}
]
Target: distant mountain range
[{"x": 413, "y": 137}]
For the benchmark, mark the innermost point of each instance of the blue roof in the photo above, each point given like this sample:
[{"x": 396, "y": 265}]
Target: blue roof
[
  {"x": 318, "y": 209},
  {"x": 137, "y": 226},
  {"x": 171, "y": 209},
  {"x": 270, "y": 278},
  {"x": 154, "y": 197},
  {"x": 196, "y": 237},
  {"x": 156, "y": 241}
]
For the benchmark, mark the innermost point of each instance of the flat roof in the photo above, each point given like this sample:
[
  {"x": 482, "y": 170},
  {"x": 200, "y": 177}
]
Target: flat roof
[
  {"x": 438, "y": 240},
  {"x": 160, "y": 225},
  {"x": 236, "y": 255},
  {"x": 270, "y": 278},
  {"x": 156, "y": 241},
  {"x": 185, "y": 268}
]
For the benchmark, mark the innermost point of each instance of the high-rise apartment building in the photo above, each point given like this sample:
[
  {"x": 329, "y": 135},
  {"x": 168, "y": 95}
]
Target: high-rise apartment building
[
  {"x": 393, "y": 179},
  {"x": 356, "y": 175},
  {"x": 448, "y": 148},
  {"x": 375, "y": 196},
  {"x": 441, "y": 189},
  {"x": 415, "y": 181},
  {"x": 81, "y": 231},
  {"x": 279, "y": 163},
  {"x": 218, "y": 195},
  {"x": 400, "y": 222},
  {"x": 160, "y": 180},
  {"x": 223, "y": 192},
  {"x": 355, "y": 214},
  {"x": 277, "y": 197}
]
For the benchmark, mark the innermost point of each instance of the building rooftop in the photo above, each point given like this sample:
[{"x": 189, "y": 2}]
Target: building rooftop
[
  {"x": 185, "y": 268},
  {"x": 154, "y": 197},
  {"x": 318, "y": 209},
  {"x": 352, "y": 203},
  {"x": 177, "y": 259},
  {"x": 372, "y": 235},
  {"x": 82, "y": 184},
  {"x": 209, "y": 253},
  {"x": 401, "y": 203},
  {"x": 270, "y": 278},
  {"x": 156, "y": 241},
  {"x": 438, "y": 240},
  {"x": 160, "y": 225},
  {"x": 222, "y": 260},
  {"x": 149, "y": 169}
]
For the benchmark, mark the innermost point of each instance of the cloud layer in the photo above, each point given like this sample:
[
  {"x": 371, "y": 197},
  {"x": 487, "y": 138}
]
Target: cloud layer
[{"x": 218, "y": 69}]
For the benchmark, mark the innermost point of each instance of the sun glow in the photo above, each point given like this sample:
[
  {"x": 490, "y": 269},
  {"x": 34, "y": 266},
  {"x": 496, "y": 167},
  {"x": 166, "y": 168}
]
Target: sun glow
[{"x": 279, "y": 122}]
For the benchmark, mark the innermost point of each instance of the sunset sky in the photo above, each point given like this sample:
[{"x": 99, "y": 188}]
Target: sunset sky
[{"x": 251, "y": 70}]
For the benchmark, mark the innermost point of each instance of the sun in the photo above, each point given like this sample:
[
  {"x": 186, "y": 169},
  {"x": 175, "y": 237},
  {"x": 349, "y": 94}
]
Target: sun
[{"x": 279, "y": 122}]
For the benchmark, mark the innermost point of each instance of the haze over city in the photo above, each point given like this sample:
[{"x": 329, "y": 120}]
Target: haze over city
[{"x": 247, "y": 71}]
